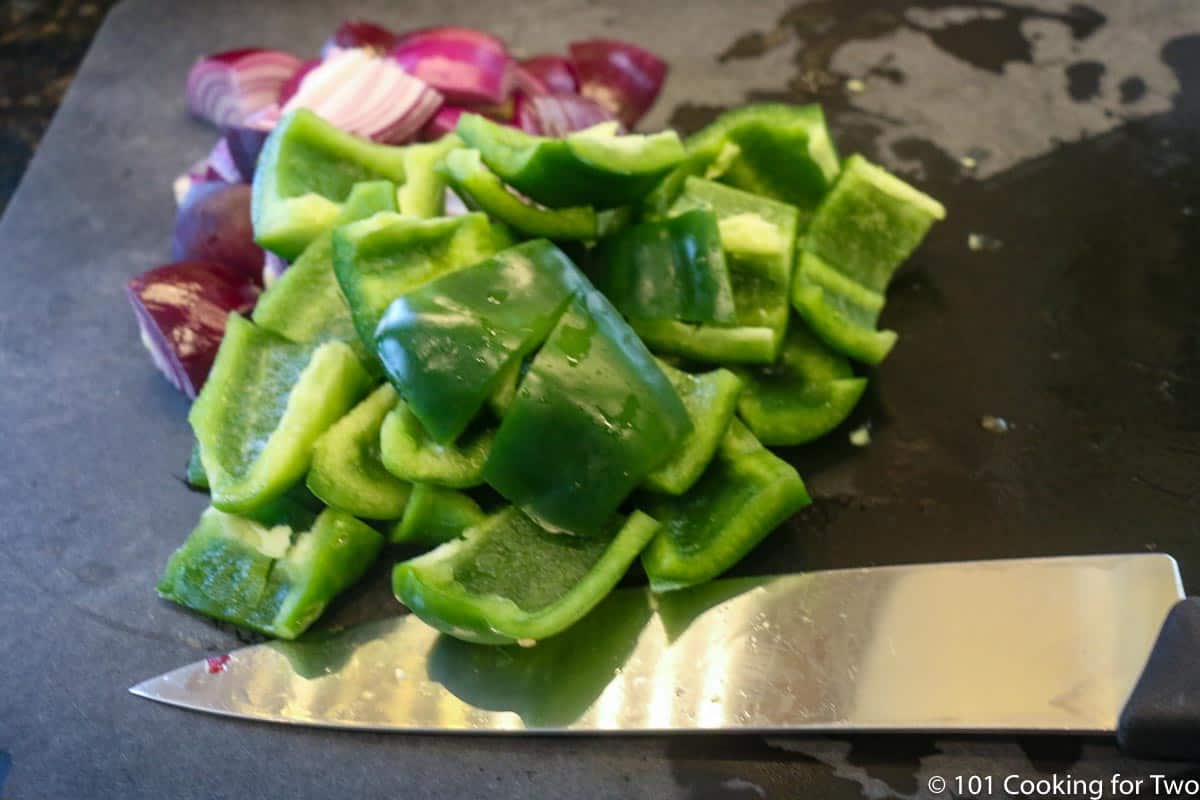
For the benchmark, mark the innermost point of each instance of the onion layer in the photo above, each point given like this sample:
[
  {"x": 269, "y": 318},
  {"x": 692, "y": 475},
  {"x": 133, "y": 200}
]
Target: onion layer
[
  {"x": 468, "y": 67},
  {"x": 620, "y": 76},
  {"x": 558, "y": 114},
  {"x": 226, "y": 88}
]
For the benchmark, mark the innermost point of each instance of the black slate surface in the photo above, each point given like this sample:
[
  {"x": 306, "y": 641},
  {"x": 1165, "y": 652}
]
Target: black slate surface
[{"x": 1063, "y": 137}]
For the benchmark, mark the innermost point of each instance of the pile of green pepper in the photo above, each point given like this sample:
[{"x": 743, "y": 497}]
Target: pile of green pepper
[{"x": 536, "y": 421}]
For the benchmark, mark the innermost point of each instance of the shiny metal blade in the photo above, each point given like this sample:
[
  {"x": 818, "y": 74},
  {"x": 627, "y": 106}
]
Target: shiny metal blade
[{"x": 1025, "y": 645}]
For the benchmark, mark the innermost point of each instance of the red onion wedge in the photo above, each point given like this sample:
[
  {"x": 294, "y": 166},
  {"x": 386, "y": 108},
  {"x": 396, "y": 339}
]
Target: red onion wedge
[
  {"x": 552, "y": 73},
  {"x": 226, "y": 88},
  {"x": 468, "y": 67},
  {"x": 244, "y": 144},
  {"x": 367, "y": 95},
  {"x": 444, "y": 121},
  {"x": 222, "y": 166},
  {"x": 272, "y": 267},
  {"x": 620, "y": 76},
  {"x": 181, "y": 310},
  {"x": 288, "y": 90},
  {"x": 358, "y": 33},
  {"x": 558, "y": 114},
  {"x": 214, "y": 225}
]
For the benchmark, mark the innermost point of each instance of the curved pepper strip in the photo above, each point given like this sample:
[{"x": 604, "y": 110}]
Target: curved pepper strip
[
  {"x": 305, "y": 304},
  {"x": 843, "y": 313},
  {"x": 745, "y": 493},
  {"x": 758, "y": 237},
  {"x": 592, "y": 167},
  {"x": 265, "y": 403},
  {"x": 424, "y": 191},
  {"x": 591, "y": 418},
  {"x": 508, "y": 580},
  {"x": 480, "y": 189},
  {"x": 672, "y": 269},
  {"x": 194, "y": 473},
  {"x": 304, "y": 174},
  {"x": 410, "y": 454},
  {"x": 803, "y": 396},
  {"x": 347, "y": 470},
  {"x": 435, "y": 515},
  {"x": 447, "y": 344},
  {"x": 266, "y": 576},
  {"x": 378, "y": 259}
]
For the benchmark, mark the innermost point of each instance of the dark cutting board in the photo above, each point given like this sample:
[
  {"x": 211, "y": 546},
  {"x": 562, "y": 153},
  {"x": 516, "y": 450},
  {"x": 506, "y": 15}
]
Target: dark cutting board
[{"x": 1063, "y": 139}]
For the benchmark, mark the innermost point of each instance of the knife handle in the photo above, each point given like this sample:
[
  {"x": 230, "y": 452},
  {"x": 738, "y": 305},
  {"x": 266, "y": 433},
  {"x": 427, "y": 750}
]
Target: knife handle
[{"x": 1162, "y": 717}]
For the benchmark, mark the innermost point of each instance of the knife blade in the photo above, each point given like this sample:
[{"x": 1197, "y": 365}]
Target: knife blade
[{"x": 1028, "y": 645}]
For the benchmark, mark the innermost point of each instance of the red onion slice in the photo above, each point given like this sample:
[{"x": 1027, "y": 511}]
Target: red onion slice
[
  {"x": 620, "y": 76},
  {"x": 558, "y": 114},
  {"x": 553, "y": 74},
  {"x": 367, "y": 95},
  {"x": 181, "y": 310},
  {"x": 355, "y": 33},
  {"x": 288, "y": 90},
  {"x": 468, "y": 67},
  {"x": 213, "y": 225},
  {"x": 226, "y": 88}
]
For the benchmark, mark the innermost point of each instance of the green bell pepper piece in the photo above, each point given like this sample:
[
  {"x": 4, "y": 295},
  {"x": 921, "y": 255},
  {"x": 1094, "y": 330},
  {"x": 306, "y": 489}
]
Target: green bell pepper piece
[
  {"x": 304, "y": 174},
  {"x": 410, "y": 454},
  {"x": 480, "y": 189},
  {"x": 424, "y": 191},
  {"x": 306, "y": 304},
  {"x": 509, "y": 580},
  {"x": 843, "y": 313},
  {"x": 803, "y": 396},
  {"x": 711, "y": 401},
  {"x": 672, "y": 269},
  {"x": 870, "y": 222},
  {"x": 592, "y": 417},
  {"x": 194, "y": 475},
  {"x": 263, "y": 406},
  {"x": 592, "y": 167},
  {"x": 266, "y": 576},
  {"x": 745, "y": 493},
  {"x": 378, "y": 259},
  {"x": 758, "y": 237},
  {"x": 347, "y": 469},
  {"x": 435, "y": 515},
  {"x": 446, "y": 345}
]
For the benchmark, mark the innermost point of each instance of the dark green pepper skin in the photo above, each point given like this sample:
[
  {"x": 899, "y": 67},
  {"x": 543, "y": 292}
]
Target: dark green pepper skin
[
  {"x": 251, "y": 573},
  {"x": 588, "y": 168},
  {"x": 673, "y": 269},
  {"x": 480, "y": 189},
  {"x": 410, "y": 454},
  {"x": 435, "y": 515},
  {"x": 711, "y": 402},
  {"x": 507, "y": 580},
  {"x": 446, "y": 345},
  {"x": 593, "y": 416},
  {"x": 745, "y": 493}
]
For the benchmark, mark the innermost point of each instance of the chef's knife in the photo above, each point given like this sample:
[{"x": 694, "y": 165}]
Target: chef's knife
[{"x": 1035, "y": 645}]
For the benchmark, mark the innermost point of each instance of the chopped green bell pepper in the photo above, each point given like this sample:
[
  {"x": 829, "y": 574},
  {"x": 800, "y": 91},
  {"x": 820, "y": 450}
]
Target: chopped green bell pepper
[
  {"x": 378, "y": 259},
  {"x": 593, "y": 167},
  {"x": 347, "y": 469},
  {"x": 508, "y": 580},
  {"x": 672, "y": 269},
  {"x": 424, "y": 191},
  {"x": 266, "y": 576},
  {"x": 306, "y": 304},
  {"x": 194, "y": 474},
  {"x": 263, "y": 406},
  {"x": 410, "y": 454},
  {"x": 758, "y": 237},
  {"x": 592, "y": 417},
  {"x": 446, "y": 345},
  {"x": 480, "y": 189},
  {"x": 711, "y": 401},
  {"x": 745, "y": 493},
  {"x": 803, "y": 396},
  {"x": 435, "y": 515},
  {"x": 304, "y": 174},
  {"x": 840, "y": 311}
]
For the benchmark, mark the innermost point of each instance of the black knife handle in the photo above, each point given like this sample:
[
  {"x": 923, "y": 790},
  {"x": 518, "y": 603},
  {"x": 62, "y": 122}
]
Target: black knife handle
[{"x": 1162, "y": 717}]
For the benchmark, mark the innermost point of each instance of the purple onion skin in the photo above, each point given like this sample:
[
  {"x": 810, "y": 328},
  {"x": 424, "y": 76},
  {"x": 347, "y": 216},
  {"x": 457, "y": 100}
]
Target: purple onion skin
[
  {"x": 214, "y": 225},
  {"x": 360, "y": 33},
  {"x": 245, "y": 144},
  {"x": 181, "y": 309},
  {"x": 556, "y": 73},
  {"x": 292, "y": 84},
  {"x": 622, "y": 77}
]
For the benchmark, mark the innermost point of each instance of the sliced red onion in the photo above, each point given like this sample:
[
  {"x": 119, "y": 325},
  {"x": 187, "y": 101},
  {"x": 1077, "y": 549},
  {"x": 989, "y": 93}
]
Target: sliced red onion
[
  {"x": 213, "y": 225},
  {"x": 288, "y": 90},
  {"x": 358, "y": 33},
  {"x": 444, "y": 121},
  {"x": 226, "y": 88},
  {"x": 181, "y": 310},
  {"x": 621, "y": 76},
  {"x": 272, "y": 267},
  {"x": 367, "y": 95},
  {"x": 558, "y": 114},
  {"x": 468, "y": 67},
  {"x": 552, "y": 73},
  {"x": 196, "y": 174},
  {"x": 244, "y": 143},
  {"x": 222, "y": 166}
]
